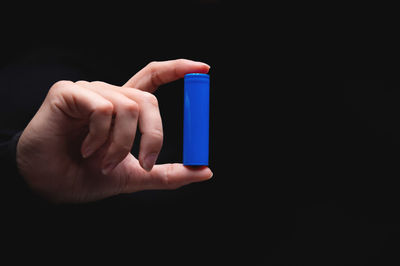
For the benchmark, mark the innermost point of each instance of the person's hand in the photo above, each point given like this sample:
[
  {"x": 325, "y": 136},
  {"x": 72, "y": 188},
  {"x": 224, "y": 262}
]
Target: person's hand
[{"x": 77, "y": 146}]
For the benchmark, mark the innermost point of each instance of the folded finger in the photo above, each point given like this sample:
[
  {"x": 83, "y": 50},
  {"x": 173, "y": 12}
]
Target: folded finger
[
  {"x": 123, "y": 131},
  {"x": 150, "y": 122}
]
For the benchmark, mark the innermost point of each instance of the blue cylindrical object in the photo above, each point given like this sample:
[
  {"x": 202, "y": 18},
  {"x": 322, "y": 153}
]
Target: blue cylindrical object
[{"x": 196, "y": 119}]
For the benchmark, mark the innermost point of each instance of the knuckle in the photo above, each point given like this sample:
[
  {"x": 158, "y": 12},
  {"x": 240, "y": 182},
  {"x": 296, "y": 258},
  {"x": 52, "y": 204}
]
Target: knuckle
[
  {"x": 60, "y": 86},
  {"x": 153, "y": 68},
  {"x": 132, "y": 107},
  {"x": 181, "y": 61},
  {"x": 105, "y": 108},
  {"x": 166, "y": 177},
  {"x": 156, "y": 135},
  {"x": 97, "y": 83},
  {"x": 167, "y": 180},
  {"x": 152, "y": 65},
  {"x": 122, "y": 147},
  {"x": 57, "y": 90},
  {"x": 150, "y": 98},
  {"x": 82, "y": 83},
  {"x": 63, "y": 83}
]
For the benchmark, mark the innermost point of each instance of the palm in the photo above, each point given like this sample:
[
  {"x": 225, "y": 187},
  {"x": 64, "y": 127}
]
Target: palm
[{"x": 82, "y": 179}]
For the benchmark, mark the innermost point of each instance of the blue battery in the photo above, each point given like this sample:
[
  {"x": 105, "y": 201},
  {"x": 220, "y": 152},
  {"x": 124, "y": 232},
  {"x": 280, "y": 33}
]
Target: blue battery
[{"x": 196, "y": 119}]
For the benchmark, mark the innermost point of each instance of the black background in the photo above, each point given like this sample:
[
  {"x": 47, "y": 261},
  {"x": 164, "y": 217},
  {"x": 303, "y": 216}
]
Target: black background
[{"x": 303, "y": 132}]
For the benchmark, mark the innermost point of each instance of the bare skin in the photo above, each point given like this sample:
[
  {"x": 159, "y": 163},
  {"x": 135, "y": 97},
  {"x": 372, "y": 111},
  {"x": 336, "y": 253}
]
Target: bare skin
[{"x": 77, "y": 146}]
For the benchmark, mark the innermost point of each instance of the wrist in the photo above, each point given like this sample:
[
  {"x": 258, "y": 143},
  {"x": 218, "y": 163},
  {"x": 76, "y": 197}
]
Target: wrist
[{"x": 26, "y": 170}]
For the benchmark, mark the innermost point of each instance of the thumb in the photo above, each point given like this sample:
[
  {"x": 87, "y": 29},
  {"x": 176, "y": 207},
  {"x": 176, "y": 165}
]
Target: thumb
[{"x": 166, "y": 176}]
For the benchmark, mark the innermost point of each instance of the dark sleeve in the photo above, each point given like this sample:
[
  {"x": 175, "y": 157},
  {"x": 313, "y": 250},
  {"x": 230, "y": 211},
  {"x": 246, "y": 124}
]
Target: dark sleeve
[
  {"x": 8, "y": 147},
  {"x": 14, "y": 190}
]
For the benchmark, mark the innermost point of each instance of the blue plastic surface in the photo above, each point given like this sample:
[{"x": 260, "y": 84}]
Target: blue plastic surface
[{"x": 196, "y": 119}]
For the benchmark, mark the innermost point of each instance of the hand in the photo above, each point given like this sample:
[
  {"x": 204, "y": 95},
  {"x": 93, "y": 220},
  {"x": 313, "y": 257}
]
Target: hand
[{"x": 77, "y": 146}]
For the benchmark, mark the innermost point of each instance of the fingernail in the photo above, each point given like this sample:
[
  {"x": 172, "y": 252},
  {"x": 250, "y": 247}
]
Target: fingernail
[
  {"x": 206, "y": 64},
  {"x": 149, "y": 161},
  {"x": 86, "y": 152},
  {"x": 107, "y": 168}
]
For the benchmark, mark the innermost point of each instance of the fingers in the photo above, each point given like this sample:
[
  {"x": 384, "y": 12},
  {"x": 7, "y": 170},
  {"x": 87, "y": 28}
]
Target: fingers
[
  {"x": 122, "y": 135},
  {"x": 131, "y": 106},
  {"x": 158, "y": 73},
  {"x": 150, "y": 124},
  {"x": 99, "y": 128},
  {"x": 69, "y": 98},
  {"x": 84, "y": 104}
]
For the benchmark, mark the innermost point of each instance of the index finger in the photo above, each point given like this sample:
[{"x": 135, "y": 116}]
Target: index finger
[{"x": 157, "y": 73}]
